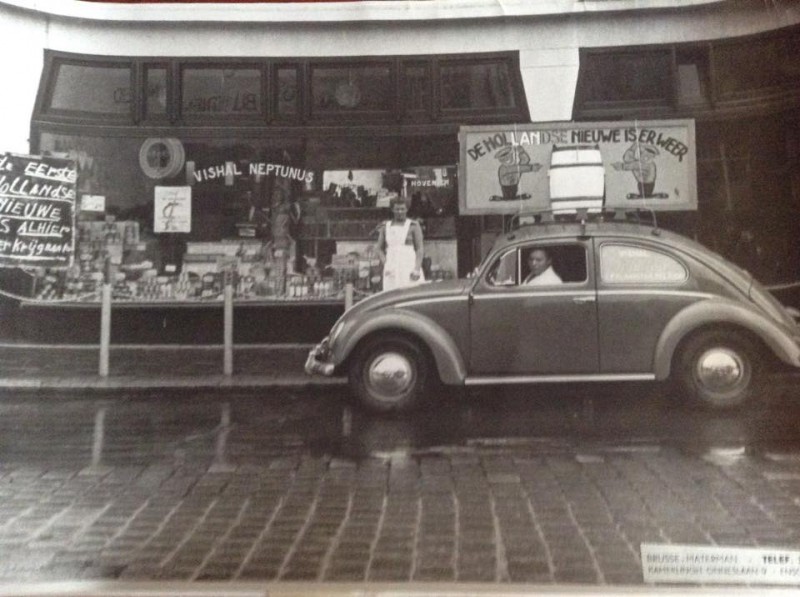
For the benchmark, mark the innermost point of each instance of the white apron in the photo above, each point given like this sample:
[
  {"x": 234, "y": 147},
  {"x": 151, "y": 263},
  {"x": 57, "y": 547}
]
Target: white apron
[{"x": 400, "y": 258}]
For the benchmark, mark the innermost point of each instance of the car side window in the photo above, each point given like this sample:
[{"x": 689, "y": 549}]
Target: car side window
[
  {"x": 540, "y": 265},
  {"x": 504, "y": 271},
  {"x": 628, "y": 264},
  {"x": 548, "y": 265}
]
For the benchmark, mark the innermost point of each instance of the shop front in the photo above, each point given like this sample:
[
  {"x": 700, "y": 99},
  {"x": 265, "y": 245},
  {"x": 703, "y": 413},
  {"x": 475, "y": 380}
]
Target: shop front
[
  {"x": 277, "y": 173},
  {"x": 271, "y": 154}
]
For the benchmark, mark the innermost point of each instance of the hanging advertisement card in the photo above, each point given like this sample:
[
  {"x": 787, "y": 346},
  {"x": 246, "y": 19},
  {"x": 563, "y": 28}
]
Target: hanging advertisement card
[
  {"x": 173, "y": 209},
  {"x": 96, "y": 203},
  {"x": 523, "y": 167}
]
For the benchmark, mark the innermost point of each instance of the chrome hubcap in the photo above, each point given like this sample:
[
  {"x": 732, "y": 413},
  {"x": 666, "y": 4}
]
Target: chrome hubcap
[
  {"x": 720, "y": 369},
  {"x": 389, "y": 375}
]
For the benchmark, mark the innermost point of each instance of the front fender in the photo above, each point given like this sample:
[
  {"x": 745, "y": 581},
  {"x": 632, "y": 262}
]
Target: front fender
[
  {"x": 722, "y": 312},
  {"x": 448, "y": 357}
]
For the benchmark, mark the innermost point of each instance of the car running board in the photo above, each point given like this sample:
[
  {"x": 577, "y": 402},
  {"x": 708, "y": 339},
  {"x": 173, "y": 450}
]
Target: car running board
[{"x": 578, "y": 378}]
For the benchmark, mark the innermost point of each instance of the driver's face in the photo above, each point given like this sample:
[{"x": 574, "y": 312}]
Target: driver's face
[{"x": 538, "y": 261}]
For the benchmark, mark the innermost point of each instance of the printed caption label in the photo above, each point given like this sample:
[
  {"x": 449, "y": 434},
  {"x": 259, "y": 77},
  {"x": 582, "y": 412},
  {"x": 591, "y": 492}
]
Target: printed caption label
[{"x": 727, "y": 565}]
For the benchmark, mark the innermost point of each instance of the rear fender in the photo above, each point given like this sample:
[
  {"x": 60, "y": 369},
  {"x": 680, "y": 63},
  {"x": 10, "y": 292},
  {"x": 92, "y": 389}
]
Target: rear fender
[
  {"x": 724, "y": 313},
  {"x": 448, "y": 357}
]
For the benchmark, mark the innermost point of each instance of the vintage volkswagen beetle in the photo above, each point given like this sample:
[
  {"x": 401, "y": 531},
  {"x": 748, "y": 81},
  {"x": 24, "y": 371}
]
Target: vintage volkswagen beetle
[{"x": 635, "y": 303}]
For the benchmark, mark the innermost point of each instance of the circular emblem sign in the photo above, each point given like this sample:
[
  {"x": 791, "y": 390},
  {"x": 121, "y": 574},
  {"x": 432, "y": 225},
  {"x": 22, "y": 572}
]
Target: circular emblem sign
[
  {"x": 348, "y": 95},
  {"x": 161, "y": 157}
]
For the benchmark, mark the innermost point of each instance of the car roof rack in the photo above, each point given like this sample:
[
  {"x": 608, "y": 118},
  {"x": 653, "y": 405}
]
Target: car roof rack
[{"x": 535, "y": 217}]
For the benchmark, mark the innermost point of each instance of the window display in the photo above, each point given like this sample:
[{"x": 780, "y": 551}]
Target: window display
[{"x": 167, "y": 218}]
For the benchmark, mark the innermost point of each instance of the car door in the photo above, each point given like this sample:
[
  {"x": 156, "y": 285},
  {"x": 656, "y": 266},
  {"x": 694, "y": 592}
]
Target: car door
[
  {"x": 522, "y": 330},
  {"x": 641, "y": 287}
]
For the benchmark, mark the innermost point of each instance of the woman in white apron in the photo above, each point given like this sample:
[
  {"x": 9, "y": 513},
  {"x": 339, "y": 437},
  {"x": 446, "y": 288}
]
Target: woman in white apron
[{"x": 400, "y": 249}]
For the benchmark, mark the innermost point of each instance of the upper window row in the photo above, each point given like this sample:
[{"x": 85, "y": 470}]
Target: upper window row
[
  {"x": 693, "y": 76},
  {"x": 418, "y": 89}
]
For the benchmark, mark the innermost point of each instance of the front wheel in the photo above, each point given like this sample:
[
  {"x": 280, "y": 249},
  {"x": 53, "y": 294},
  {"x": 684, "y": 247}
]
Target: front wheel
[
  {"x": 389, "y": 374},
  {"x": 718, "y": 369}
]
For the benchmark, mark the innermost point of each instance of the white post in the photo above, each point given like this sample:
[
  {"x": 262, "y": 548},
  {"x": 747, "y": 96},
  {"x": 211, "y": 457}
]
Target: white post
[
  {"x": 105, "y": 325},
  {"x": 348, "y": 296},
  {"x": 228, "y": 325},
  {"x": 99, "y": 435}
]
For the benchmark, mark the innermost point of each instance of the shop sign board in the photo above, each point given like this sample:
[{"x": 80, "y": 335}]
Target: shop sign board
[
  {"x": 228, "y": 171},
  {"x": 37, "y": 210},
  {"x": 508, "y": 169},
  {"x": 172, "y": 209}
]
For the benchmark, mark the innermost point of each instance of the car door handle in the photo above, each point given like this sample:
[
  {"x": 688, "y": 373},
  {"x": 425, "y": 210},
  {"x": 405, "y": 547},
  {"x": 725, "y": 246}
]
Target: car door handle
[{"x": 583, "y": 299}]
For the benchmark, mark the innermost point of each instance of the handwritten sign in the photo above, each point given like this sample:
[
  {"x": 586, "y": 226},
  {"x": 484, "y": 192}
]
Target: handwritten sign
[
  {"x": 524, "y": 167},
  {"x": 173, "y": 209},
  {"x": 37, "y": 210}
]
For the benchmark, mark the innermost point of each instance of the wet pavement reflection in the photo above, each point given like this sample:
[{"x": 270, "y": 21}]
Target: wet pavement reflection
[
  {"x": 544, "y": 485},
  {"x": 227, "y": 428}
]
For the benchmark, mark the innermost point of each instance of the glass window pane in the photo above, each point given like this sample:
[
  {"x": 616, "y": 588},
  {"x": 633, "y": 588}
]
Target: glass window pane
[
  {"x": 476, "y": 86},
  {"x": 156, "y": 91},
  {"x": 356, "y": 88},
  {"x": 416, "y": 87},
  {"x": 98, "y": 89},
  {"x": 287, "y": 92},
  {"x": 568, "y": 262},
  {"x": 625, "y": 264},
  {"x": 221, "y": 91},
  {"x": 627, "y": 76},
  {"x": 504, "y": 271},
  {"x": 693, "y": 77},
  {"x": 748, "y": 66},
  {"x": 105, "y": 168}
]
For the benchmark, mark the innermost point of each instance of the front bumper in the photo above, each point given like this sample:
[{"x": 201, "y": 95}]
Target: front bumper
[{"x": 317, "y": 362}]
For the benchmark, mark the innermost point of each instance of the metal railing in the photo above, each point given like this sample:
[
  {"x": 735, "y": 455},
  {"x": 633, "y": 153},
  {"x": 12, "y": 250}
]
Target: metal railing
[{"x": 105, "y": 295}]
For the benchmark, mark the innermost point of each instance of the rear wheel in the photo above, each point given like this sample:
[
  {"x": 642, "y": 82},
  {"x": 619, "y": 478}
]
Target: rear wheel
[
  {"x": 389, "y": 374},
  {"x": 718, "y": 369}
]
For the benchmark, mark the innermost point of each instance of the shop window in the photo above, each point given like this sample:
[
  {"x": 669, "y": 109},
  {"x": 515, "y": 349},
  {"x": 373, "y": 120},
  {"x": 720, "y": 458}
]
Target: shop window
[
  {"x": 110, "y": 86},
  {"x": 744, "y": 67},
  {"x": 416, "y": 88},
  {"x": 725, "y": 74},
  {"x": 431, "y": 191},
  {"x": 692, "y": 77},
  {"x": 288, "y": 92},
  {"x": 155, "y": 97},
  {"x": 221, "y": 91},
  {"x": 476, "y": 86},
  {"x": 108, "y": 167},
  {"x": 628, "y": 76},
  {"x": 337, "y": 90}
]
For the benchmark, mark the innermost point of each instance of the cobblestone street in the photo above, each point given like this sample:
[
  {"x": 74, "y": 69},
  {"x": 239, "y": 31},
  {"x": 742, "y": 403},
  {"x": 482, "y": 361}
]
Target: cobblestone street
[{"x": 526, "y": 513}]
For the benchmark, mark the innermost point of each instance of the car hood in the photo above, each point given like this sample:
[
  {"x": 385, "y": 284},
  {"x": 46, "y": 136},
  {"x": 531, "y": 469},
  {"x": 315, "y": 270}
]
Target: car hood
[{"x": 412, "y": 293}]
